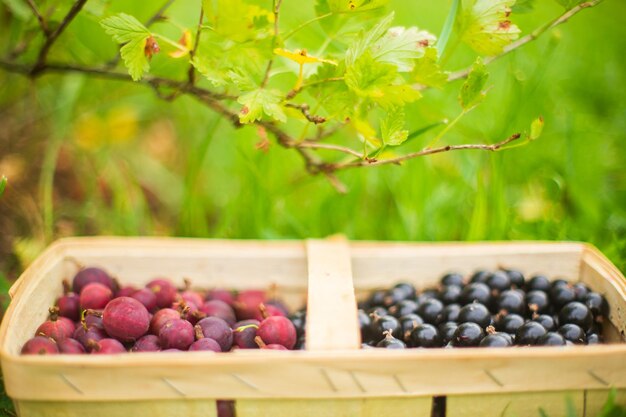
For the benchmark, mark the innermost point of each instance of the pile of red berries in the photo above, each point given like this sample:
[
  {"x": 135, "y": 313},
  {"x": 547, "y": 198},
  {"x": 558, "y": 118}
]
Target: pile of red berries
[
  {"x": 97, "y": 316},
  {"x": 489, "y": 309}
]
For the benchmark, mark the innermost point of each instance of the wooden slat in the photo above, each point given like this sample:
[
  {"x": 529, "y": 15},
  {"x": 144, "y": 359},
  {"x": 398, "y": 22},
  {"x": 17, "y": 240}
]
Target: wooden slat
[
  {"x": 368, "y": 407},
  {"x": 154, "y": 408},
  {"x": 331, "y": 308},
  {"x": 514, "y": 404}
]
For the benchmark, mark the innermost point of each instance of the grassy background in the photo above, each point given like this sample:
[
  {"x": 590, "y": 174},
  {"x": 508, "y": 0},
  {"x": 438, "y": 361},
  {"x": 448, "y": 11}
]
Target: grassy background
[{"x": 87, "y": 156}]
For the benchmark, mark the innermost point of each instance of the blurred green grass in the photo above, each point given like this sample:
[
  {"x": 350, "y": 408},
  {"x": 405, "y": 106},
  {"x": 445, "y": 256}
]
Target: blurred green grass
[{"x": 129, "y": 163}]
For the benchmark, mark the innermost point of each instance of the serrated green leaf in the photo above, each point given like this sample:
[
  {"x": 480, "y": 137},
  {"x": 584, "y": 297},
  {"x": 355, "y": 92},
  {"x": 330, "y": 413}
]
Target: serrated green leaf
[
  {"x": 392, "y": 129},
  {"x": 260, "y": 102},
  {"x": 536, "y": 128},
  {"x": 523, "y": 6},
  {"x": 3, "y": 185},
  {"x": 374, "y": 81},
  {"x": 334, "y": 97},
  {"x": 367, "y": 38},
  {"x": 238, "y": 20},
  {"x": 401, "y": 46},
  {"x": 355, "y": 6},
  {"x": 427, "y": 70},
  {"x": 568, "y": 4},
  {"x": 127, "y": 30},
  {"x": 210, "y": 71},
  {"x": 242, "y": 80},
  {"x": 18, "y": 8},
  {"x": 485, "y": 25},
  {"x": 472, "y": 92}
]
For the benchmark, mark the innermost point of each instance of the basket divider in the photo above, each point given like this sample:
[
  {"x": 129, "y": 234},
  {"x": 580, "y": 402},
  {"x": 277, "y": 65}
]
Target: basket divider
[{"x": 331, "y": 307}]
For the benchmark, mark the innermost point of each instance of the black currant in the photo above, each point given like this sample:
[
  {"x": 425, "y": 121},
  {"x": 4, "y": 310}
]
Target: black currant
[
  {"x": 573, "y": 333},
  {"x": 559, "y": 282},
  {"x": 427, "y": 295},
  {"x": 594, "y": 339},
  {"x": 495, "y": 340},
  {"x": 561, "y": 295},
  {"x": 537, "y": 301},
  {"x": 425, "y": 336},
  {"x": 539, "y": 283},
  {"x": 546, "y": 321},
  {"x": 390, "y": 342},
  {"x": 394, "y": 296},
  {"x": 451, "y": 312},
  {"x": 450, "y": 294},
  {"x": 476, "y": 292},
  {"x": 480, "y": 276},
  {"x": 475, "y": 313},
  {"x": 377, "y": 298},
  {"x": 467, "y": 334},
  {"x": 407, "y": 288},
  {"x": 551, "y": 339},
  {"x": 516, "y": 277},
  {"x": 365, "y": 323},
  {"x": 403, "y": 308},
  {"x": 529, "y": 333},
  {"x": 511, "y": 301},
  {"x": 499, "y": 281},
  {"x": 597, "y": 304},
  {"x": 509, "y": 323},
  {"x": 377, "y": 311},
  {"x": 382, "y": 324},
  {"x": 431, "y": 311},
  {"x": 452, "y": 279},
  {"x": 446, "y": 331},
  {"x": 581, "y": 291},
  {"x": 576, "y": 313},
  {"x": 408, "y": 323}
]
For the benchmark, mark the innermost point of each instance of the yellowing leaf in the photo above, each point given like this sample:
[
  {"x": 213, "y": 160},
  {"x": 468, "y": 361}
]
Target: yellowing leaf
[
  {"x": 427, "y": 70},
  {"x": 261, "y": 102},
  {"x": 485, "y": 25},
  {"x": 238, "y": 20},
  {"x": 186, "y": 41},
  {"x": 536, "y": 128},
  {"x": 127, "y": 30},
  {"x": 472, "y": 89},
  {"x": 302, "y": 57}
]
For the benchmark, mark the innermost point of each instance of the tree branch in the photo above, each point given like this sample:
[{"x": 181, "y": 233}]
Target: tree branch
[
  {"x": 305, "y": 110},
  {"x": 52, "y": 37},
  {"x": 191, "y": 73},
  {"x": 428, "y": 151},
  {"x": 530, "y": 37},
  {"x": 42, "y": 21}
]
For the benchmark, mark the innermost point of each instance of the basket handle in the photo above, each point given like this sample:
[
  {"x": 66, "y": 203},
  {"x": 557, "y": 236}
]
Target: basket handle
[{"x": 332, "y": 322}]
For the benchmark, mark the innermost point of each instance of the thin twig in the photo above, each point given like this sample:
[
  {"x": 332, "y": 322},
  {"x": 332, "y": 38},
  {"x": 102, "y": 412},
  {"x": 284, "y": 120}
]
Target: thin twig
[
  {"x": 268, "y": 69},
  {"x": 191, "y": 73},
  {"x": 428, "y": 151},
  {"x": 52, "y": 37},
  {"x": 306, "y": 111},
  {"x": 329, "y": 146},
  {"x": 42, "y": 21},
  {"x": 530, "y": 37}
]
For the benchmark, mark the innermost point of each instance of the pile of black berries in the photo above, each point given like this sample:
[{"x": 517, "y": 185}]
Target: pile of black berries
[{"x": 490, "y": 309}]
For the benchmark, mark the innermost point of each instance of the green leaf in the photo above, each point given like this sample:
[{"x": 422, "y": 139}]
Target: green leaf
[
  {"x": 472, "y": 92},
  {"x": 428, "y": 72},
  {"x": 570, "y": 408},
  {"x": 374, "y": 80},
  {"x": 485, "y": 25},
  {"x": 261, "y": 102},
  {"x": 523, "y": 6},
  {"x": 367, "y": 38},
  {"x": 446, "y": 31},
  {"x": 536, "y": 128},
  {"x": 353, "y": 6},
  {"x": 334, "y": 97},
  {"x": 127, "y": 30},
  {"x": 210, "y": 71},
  {"x": 402, "y": 46},
  {"x": 3, "y": 185},
  {"x": 238, "y": 20},
  {"x": 392, "y": 129}
]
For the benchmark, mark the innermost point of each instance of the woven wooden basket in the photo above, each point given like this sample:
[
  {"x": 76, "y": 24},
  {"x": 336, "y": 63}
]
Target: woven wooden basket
[{"x": 333, "y": 377}]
